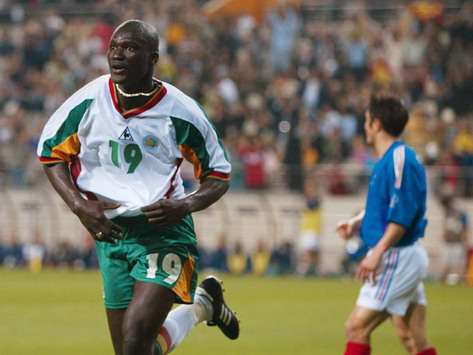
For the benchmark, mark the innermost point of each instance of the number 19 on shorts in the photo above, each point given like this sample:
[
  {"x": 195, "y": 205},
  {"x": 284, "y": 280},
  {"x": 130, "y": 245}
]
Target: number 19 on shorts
[{"x": 170, "y": 264}]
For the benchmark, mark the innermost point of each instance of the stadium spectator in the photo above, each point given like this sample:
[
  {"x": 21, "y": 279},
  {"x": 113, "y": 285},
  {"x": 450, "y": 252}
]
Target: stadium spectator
[
  {"x": 65, "y": 255},
  {"x": 87, "y": 255},
  {"x": 260, "y": 259},
  {"x": 34, "y": 253},
  {"x": 308, "y": 243},
  {"x": 284, "y": 23},
  {"x": 252, "y": 155},
  {"x": 281, "y": 261},
  {"x": 237, "y": 260},
  {"x": 13, "y": 253},
  {"x": 219, "y": 256},
  {"x": 455, "y": 235}
]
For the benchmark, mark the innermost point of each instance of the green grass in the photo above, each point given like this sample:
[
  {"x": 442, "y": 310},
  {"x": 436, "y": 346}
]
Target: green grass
[{"x": 57, "y": 312}]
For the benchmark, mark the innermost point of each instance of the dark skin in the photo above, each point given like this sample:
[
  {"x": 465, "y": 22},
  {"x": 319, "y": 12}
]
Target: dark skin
[{"x": 132, "y": 54}]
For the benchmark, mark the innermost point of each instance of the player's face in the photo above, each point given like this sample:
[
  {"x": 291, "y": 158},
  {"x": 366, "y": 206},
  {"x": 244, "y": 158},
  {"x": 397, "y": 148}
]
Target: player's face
[{"x": 130, "y": 59}]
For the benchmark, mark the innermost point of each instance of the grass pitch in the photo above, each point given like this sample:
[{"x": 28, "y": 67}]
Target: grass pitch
[{"x": 56, "y": 312}]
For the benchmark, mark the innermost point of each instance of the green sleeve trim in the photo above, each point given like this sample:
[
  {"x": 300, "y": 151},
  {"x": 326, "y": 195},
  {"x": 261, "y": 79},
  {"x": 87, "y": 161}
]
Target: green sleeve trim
[
  {"x": 188, "y": 134},
  {"x": 216, "y": 132},
  {"x": 68, "y": 127}
]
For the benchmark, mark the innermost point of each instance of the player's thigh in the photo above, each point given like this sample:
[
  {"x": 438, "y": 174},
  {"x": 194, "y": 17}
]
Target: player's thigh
[
  {"x": 362, "y": 321},
  {"x": 147, "y": 310},
  {"x": 115, "y": 270}
]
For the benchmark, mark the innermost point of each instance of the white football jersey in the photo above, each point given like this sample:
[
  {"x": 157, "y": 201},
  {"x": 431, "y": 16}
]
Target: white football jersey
[{"x": 131, "y": 158}]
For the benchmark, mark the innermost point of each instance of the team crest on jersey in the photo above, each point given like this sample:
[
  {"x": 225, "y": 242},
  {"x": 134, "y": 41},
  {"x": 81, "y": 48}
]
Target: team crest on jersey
[
  {"x": 126, "y": 135},
  {"x": 150, "y": 142}
]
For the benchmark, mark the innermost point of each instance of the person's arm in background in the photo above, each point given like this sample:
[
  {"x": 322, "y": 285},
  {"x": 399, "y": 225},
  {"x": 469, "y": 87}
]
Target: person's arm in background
[{"x": 90, "y": 213}]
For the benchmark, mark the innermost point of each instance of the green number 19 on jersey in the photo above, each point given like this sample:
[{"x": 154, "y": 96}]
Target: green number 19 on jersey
[{"x": 131, "y": 154}]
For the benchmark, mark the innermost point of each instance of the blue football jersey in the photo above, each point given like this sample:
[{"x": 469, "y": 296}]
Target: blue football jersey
[{"x": 397, "y": 193}]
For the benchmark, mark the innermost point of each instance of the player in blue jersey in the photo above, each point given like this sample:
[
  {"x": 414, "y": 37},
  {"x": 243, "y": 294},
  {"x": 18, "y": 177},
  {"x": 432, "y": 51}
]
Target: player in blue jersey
[{"x": 391, "y": 224}]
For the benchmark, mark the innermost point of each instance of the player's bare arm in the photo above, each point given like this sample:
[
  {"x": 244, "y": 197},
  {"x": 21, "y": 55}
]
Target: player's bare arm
[
  {"x": 90, "y": 213},
  {"x": 347, "y": 228},
  {"x": 371, "y": 262},
  {"x": 170, "y": 211}
]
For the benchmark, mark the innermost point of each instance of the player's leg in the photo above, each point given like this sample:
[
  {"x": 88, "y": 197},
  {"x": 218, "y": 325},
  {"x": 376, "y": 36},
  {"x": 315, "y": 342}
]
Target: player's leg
[
  {"x": 417, "y": 326},
  {"x": 401, "y": 325},
  {"x": 144, "y": 317},
  {"x": 117, "y": 288},
  {"x": 209, "y": 305},
  {"x": 415, "y": 310},
  {"x": 115, "y": 324},
  {"x": 359, "y": 326}
]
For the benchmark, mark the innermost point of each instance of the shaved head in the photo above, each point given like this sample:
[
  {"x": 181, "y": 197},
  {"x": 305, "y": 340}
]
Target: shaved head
[
  {"x": 132, "y": 54},
  {"x": 145, "y": 31}
]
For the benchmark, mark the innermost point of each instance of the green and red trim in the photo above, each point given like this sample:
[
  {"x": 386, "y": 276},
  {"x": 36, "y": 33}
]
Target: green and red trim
[
  {"x": 136, "y": 111},
  {"x": 218, "y": 175}
]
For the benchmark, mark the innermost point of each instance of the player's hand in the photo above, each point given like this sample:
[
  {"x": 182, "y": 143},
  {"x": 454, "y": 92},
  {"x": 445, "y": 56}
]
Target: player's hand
[
  {"x": 91, "y": 214},
  {"x": 345, "y": 229},
  {"x": 369, "y": 266},
  {"x": 166, "y": 212}
]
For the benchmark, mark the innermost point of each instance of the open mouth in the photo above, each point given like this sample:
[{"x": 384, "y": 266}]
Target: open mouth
[{"x": 118, "y": 68}]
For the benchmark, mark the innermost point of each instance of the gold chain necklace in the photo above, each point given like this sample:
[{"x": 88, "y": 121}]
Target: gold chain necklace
[{"x": 125, "y": 94}]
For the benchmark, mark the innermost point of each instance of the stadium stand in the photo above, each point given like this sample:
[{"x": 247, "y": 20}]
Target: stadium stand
[
  {"x": 286, "y": 90},
  {"x": 243, "y": 217}
]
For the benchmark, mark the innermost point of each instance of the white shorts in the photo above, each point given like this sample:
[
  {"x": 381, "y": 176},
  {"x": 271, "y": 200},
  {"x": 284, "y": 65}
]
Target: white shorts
[{"x": 399, "y": 283}]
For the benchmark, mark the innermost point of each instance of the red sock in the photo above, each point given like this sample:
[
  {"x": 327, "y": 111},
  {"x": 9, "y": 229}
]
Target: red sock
[
  {"x": 359, "y": 349},
  {"x": 429, "y": 351}
]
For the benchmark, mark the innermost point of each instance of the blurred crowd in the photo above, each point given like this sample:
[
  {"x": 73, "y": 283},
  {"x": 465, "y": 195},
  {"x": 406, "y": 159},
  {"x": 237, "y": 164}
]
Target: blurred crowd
[{"x": 287, "y": 93}]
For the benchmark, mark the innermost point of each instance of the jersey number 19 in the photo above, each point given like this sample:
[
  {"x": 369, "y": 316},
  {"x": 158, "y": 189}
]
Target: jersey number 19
[{"x": 131, "y": 154}]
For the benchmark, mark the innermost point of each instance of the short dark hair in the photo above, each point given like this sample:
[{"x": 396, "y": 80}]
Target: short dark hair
[{"x": 390, "y": 111}]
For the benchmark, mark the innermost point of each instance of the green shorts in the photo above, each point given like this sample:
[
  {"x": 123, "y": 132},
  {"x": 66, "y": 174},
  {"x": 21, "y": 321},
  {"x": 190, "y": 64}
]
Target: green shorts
[{"x": 164, "y": 256}]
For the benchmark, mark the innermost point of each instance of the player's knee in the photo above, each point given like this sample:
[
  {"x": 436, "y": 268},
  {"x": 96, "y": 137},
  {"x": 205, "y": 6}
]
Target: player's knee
[
  {"x": 355, "y": 329},
  {"x": 137, "y": 342},
  {"x": 138, "y": 332},
  {"x": 407, "y": 342}
]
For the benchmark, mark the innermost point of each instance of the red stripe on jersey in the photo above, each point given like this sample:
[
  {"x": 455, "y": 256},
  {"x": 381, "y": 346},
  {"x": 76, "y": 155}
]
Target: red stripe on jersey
[
  {"x": 75, "y": 168},
  {"x": 113, "y": 94},
  {"x": 219, "y": 175},
  {"x": 136, "y": 111},
  {"x": 172, "y": 187}
]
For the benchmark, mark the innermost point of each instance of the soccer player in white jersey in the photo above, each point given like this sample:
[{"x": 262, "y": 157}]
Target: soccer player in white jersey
[
  {"x": 391, "y": 224},
  {"x": 113, "y": 151}
]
